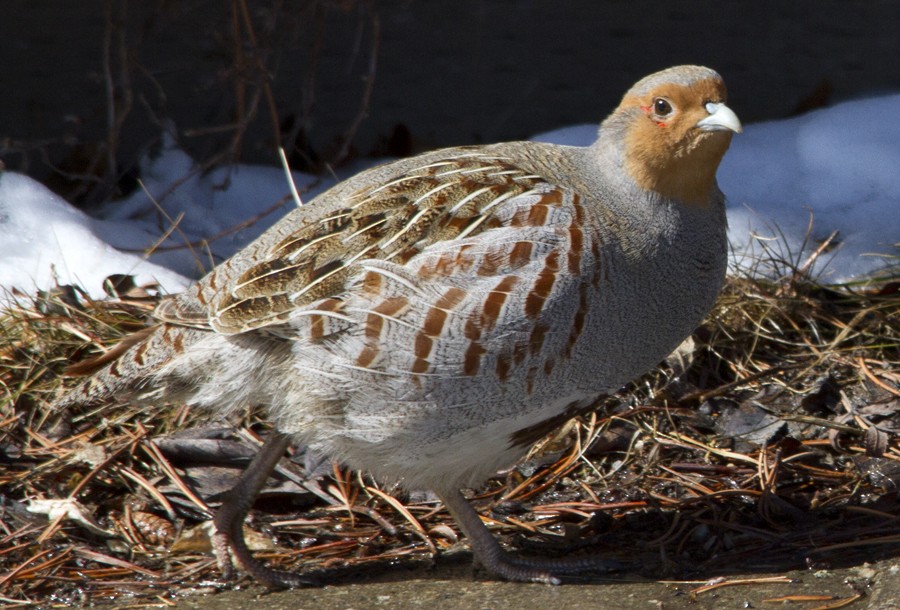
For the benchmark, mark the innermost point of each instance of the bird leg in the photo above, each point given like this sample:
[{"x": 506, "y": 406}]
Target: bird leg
[
  {"x": 229, "y": 522},
  {"x": 229, "y": 519},
  {"x": 523, "y": 569}
]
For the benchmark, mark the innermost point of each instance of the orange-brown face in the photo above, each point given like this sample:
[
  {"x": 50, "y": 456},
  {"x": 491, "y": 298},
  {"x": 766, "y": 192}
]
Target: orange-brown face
[{"x": 676, "y": 135}]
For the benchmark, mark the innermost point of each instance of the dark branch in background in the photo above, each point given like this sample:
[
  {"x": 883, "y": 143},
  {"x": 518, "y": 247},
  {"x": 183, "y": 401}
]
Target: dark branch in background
[
  {"x": 299, "y": 124},
  {"x": 138, "y": 90},
  {"x": 369, "y": 78},
  {"x": 119, "y": 95},
  {"x": 297, "y": 136},
  {"x": 256, "y": 62}
]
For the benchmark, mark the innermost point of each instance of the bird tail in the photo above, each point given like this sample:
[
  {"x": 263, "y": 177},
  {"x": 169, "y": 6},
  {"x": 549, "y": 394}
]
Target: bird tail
[{"x": 126, "y": 370}]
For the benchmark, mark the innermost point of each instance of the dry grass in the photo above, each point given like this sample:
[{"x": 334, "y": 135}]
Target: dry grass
[{"x": 775, "y": 447}]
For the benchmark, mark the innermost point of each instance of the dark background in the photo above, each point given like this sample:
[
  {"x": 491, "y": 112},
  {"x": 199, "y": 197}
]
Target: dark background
[{"x": 86, "y": 86}]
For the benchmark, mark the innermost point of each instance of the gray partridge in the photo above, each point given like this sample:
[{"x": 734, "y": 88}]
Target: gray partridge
[{"x": 427, "y": 320}]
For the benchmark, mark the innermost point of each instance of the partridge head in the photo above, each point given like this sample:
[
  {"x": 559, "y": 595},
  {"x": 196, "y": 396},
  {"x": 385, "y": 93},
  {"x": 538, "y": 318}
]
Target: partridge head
[
  {"x": 676, "y": 131},
  {"x": 429, "y": 319}
]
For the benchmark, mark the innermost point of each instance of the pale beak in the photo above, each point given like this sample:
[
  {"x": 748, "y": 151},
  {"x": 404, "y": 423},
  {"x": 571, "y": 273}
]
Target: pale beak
[{"x": 720, "y": 118}]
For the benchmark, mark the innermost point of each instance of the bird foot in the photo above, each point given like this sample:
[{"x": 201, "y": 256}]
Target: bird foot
[
  {"x": 224, "y": 542},
  {"x": 229, "y": 521},
  {"x": 519, "y": 569},
  {"x": 543, "y": 569},
  {"x": 221, "y": 548}
]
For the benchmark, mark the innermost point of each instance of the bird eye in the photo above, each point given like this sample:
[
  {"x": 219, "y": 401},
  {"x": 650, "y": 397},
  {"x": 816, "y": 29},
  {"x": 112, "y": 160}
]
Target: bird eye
[{"x": 662, "y": 107}]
